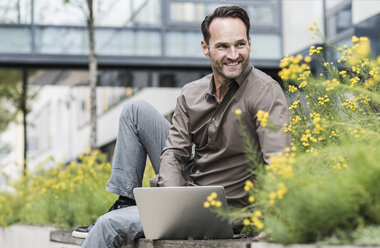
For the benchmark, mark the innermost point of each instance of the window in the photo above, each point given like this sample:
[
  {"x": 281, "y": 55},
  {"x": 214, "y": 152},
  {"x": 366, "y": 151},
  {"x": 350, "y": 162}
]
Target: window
[
  {"x": 339, "y": 19},
  {"x": 343, "y": 19},
  {"x": 183, "y": 44},
  {"x": 15, "y": 12},
  {"x": 261, "y": 12},
  {"x": 15, "y": 40}
]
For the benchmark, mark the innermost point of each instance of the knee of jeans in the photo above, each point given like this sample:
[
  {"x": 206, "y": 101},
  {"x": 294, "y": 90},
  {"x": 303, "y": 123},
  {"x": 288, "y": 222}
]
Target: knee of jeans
[
  {"x": 131, "y": 107},
  {"x": 118, "y": 221},
  {"x": 108, "y": 222}
]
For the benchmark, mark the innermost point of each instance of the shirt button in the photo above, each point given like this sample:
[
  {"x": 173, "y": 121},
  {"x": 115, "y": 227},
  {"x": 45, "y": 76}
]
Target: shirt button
[
  {"x": 213, "y": 119},
  {"x": 205, "y": 156},
  {"x": 197, "y": 172}
]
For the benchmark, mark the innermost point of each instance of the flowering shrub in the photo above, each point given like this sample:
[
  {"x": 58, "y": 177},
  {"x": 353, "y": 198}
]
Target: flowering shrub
[
  {"x": 327, "y": 182},
  {"x": 68, "y": 195}
]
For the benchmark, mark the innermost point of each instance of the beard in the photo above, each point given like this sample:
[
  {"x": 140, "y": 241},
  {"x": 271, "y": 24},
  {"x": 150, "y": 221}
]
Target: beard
[{"x": 229, "y": 72}]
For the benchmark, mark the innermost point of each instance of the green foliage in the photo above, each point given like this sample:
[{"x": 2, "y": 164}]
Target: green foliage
[
  {"x": 66, "y": 196},
  {"x": 9, "y": 96},
  {"x": 327, "y": 184},
  {"x": 322, "y": 200}
]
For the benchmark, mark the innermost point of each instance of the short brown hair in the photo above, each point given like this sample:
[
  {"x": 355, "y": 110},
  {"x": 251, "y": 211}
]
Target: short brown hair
[{"x": 225, "y": 11}]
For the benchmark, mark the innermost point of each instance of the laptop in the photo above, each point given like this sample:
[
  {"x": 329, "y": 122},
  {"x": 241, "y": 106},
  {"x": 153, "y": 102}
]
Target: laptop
[{"x": 179, "y": 213}]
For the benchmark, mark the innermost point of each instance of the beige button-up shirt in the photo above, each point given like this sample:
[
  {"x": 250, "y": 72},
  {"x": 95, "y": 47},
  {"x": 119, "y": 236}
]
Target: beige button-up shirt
[{"x": 212, "y": 125}]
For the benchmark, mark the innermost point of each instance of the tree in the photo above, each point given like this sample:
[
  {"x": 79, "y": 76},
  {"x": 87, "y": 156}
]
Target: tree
[
  {"x": 13, "y": 100},
  {"x": 88, "y": 10}
]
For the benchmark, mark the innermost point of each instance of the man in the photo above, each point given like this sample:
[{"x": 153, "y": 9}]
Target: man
[{"x": 204, "y": 116}]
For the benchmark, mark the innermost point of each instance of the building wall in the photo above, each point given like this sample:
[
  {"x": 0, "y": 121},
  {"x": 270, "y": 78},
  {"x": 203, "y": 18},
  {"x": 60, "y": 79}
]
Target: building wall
[
  {"x": 296, "y": 17},
  {"x": 332, "y": 3},
  {"x": 364, "y": 9}
]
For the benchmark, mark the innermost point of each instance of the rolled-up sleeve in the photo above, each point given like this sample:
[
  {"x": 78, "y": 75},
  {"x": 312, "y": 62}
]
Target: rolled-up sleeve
[
  {"x": 272, "y": 100},
  {"x": 177, "y": 148}
]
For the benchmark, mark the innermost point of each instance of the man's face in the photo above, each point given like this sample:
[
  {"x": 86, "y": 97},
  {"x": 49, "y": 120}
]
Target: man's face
[{"x": 228, "y": 48}]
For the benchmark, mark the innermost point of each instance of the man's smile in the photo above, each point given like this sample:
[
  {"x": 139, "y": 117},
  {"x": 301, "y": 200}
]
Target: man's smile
[{"x": 233, "y": 63}]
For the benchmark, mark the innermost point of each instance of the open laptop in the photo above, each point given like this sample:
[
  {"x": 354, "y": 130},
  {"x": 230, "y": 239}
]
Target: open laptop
[{"x": 178, "y": 213}]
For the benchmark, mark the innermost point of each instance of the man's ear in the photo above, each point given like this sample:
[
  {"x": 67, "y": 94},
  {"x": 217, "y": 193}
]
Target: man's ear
[
  {"x": 205, "y": 48},
  {"x": 250, "y": 43}
]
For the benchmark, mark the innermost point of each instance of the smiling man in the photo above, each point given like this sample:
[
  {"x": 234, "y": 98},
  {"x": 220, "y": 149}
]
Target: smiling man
[
  {"x": 205, "y": 128},
  {"x": 228, "y": 45}
]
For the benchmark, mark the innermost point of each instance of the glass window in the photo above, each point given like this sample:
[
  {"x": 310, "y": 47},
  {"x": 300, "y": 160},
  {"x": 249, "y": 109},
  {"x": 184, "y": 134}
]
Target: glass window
[
  {"x": 261, "y": 14},
  {"x": 61, "y": 40},
  {"x": 128, "y": 42},
  {"x": 15, "y": 11},
  {"x": 343, "y": 19},
  {"x": 15, "y": 40},
  {"x": 183, "y": 44},
  {"x": 146, "y": 12},
  {"x": 188, "y": 12},
  {"x": 195, "y": 12},
  {"x": 72, "y": 40},
  {"x": 129, "y": 13},
  {"x": 339, "y": 21},
  {"x": 112, "y": 13},
  {"x": 56, "y": 12}
]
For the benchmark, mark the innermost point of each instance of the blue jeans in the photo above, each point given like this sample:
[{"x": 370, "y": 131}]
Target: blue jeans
[{"x": 142, "y": 131}]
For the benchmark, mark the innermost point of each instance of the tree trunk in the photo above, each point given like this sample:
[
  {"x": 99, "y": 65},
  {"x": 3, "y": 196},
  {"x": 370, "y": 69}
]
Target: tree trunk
[
  {"x": 24, "y": 113},
  {"x": 93, "y": 66}
]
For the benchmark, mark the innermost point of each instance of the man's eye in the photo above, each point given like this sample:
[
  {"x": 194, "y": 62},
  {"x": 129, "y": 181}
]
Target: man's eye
[
  {"x": 241, "y": 45},
  {"x": 222, "y": 47}
]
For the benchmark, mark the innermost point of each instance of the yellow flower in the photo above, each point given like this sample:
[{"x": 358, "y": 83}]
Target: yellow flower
[
  {"x": 251, "y": 199},
  {"x": 262, "y": 117},
  {"x": 212, "y": 196},
  {"x": 292, "y": 89},
  {"x": 282, "y": 190},
  {"x": 258, "y": 213},
  {"x": 218, "y": 204},
  {"x": 355, "y": 39},
  {"x": 246, "y": 222},
  {"x": 363, "y": 48},
  {"x": 310, "y": 27},
  {"x": 238, "y": 112},
  {"x": 248, "y": 185},
  {"x": 259, "y": 225},
  {"x": 206, "y": 204},
  {"x": 307, "y": 59},
  {"x": 314, "y": 22},
  {"x": 272, "y": 195}
]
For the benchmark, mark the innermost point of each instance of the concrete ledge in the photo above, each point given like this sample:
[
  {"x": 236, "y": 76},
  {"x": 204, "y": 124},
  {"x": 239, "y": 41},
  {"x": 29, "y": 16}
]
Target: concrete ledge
[
  {"x": 224, "y": 243},
  {"x": 220, "y": 243},
  {"x": 17, "y": 236},
  {"x": 64, "y": 237}
]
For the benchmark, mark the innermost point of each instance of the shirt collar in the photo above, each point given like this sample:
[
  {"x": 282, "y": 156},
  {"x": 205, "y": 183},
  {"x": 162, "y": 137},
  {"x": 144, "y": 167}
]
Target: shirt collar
[{"x": 240, "y": 80}]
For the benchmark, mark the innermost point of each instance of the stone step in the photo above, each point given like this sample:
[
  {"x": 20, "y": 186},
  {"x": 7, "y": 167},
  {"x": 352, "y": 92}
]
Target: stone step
[{"x": 64, "y": 237}]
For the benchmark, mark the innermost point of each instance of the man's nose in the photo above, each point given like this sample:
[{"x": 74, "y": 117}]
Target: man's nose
[{"x": 232, "y": 53}]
